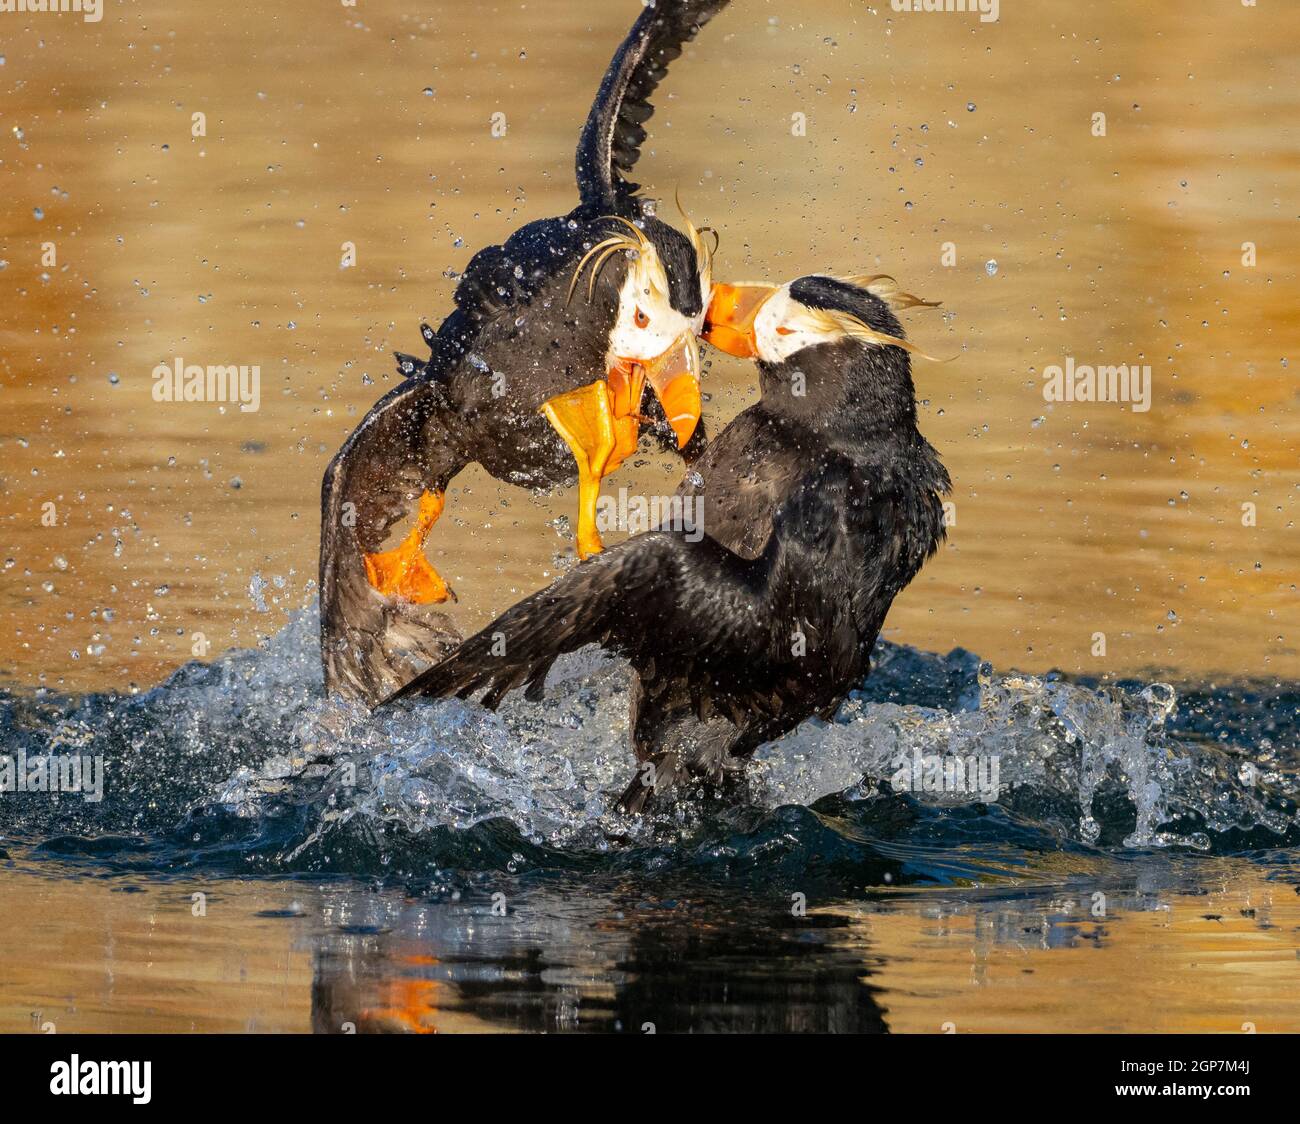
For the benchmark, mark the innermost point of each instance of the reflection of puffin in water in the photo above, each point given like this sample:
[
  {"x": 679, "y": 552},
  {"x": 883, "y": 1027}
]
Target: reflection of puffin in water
[
  {"x": 697, "y": 964},
  {"x": 821, "y": 502},
  {"x": 535, "y": 382}
]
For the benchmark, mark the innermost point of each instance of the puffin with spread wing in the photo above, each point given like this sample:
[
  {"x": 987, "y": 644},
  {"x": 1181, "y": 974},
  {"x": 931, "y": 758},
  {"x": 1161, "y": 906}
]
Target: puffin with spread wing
[
  {"x": 538, "y": 374},
  {"x": 821, "y": 502}
]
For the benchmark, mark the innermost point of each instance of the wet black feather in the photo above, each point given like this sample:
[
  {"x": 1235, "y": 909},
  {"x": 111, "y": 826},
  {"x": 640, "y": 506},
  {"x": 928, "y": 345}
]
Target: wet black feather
[
  {"x": 512, "y": 341},
  {"x": 819, "y": 507},
  {"x": 611, "y": 140}
]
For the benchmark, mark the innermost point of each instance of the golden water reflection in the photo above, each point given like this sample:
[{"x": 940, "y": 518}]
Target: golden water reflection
[
  {"x": 121, "y": 955},
  {"x": 1071, "y": 520}
]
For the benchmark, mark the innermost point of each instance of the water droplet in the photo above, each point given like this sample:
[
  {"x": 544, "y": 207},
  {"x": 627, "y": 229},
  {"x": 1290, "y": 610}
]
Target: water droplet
[
  {"x": 37, "y": 213},
  {"x": 991, "y": 267},
  {"x": 970, "y": 107}
]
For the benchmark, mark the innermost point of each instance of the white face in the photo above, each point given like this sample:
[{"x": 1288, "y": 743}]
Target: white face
[
  {"x": 647, "y": 324},
  {"x": 784, "y": 326}
]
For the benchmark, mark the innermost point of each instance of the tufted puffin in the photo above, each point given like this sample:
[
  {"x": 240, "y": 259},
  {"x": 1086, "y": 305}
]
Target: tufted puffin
[
  {"x": 538, "y": 374},
  {"x": 820, "y": 503}
]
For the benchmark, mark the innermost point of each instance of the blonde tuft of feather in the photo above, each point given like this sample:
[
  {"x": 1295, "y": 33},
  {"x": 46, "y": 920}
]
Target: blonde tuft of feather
[
  {"x": 832, "y": 320},
  {"x": 886, "y": 288},
  {"x": 703, "y": 253},
  {"x": 635, "y": 243}
]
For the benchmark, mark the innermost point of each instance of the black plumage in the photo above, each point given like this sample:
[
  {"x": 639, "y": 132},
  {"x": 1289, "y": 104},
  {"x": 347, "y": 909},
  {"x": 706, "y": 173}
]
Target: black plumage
[
  {"x": 513, "y": 341},
  {"x": 820, "y": 503}
]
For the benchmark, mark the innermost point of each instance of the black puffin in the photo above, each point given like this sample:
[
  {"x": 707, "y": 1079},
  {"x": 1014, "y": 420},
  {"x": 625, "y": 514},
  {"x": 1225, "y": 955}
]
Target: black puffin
[
  {"x": 537, "y": 374},
  {"x": 820, "y": 503}
]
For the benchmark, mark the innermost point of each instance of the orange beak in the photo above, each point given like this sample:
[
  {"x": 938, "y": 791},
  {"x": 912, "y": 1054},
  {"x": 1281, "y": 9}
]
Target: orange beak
[
  {"x": 675, "y": 376},
  {"x": 729, "y": 321}
]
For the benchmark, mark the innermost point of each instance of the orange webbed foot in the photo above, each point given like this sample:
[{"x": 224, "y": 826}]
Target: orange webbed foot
[
  {"x": 585, "y": 419},
  {"x": 404, "y": 572}
]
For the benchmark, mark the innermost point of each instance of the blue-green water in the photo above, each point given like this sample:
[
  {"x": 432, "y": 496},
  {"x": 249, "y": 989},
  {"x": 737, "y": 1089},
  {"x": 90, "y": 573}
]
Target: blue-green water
[{"x": 492, "y": 839}]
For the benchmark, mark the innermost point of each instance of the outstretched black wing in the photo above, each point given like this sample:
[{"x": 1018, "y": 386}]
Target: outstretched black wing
[
  {"x": 371, "y": 644},
  {"x": 611, "y": 139},
  {"x": 695, "y": 606},
  {"x": 695, "y": 611}
]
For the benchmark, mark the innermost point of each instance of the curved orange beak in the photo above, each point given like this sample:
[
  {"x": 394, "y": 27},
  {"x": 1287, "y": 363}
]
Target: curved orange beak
[
  {"x": 675, "y": 376},
  {"x": 729, "y": 321}
]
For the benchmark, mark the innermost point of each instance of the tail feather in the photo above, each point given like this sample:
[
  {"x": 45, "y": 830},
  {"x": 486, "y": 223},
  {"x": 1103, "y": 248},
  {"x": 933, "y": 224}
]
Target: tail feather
[{"x": 653, "y": 777}]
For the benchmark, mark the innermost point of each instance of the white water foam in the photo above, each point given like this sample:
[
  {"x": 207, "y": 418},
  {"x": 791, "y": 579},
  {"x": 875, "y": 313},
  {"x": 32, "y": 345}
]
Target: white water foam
[{"x": 554, "y": 768}]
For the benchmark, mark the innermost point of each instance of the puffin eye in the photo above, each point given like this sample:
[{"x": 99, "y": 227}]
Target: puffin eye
[
  {"x": 642, "y": 320},
  {"x": 782, "y": 330}
]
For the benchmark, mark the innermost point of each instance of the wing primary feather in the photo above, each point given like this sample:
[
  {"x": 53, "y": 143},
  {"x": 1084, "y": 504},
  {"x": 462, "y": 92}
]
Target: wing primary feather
[{"x": 611, "y": 139}]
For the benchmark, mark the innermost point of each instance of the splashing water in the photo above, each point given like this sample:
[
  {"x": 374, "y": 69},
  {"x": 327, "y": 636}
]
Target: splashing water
[{"x": 243, "y": 763}]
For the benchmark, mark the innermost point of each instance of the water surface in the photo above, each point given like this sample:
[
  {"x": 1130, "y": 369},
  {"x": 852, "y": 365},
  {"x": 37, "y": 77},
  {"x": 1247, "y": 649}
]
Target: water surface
[{"x": 265, "y": 858}]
